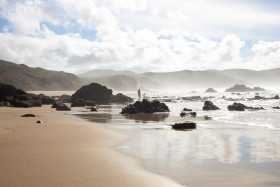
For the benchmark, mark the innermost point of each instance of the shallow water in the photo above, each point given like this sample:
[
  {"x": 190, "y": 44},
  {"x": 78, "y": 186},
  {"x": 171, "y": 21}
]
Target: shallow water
[{"x": 233, "y": 148}]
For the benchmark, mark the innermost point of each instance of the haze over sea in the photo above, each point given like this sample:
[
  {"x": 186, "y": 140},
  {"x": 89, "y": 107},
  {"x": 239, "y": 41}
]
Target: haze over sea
[{"x": 233, "y": 149}]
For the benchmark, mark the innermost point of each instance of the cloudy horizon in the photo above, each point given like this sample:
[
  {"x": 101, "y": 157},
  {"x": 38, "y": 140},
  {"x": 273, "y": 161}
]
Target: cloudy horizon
[{"x": 139, "y": 35}]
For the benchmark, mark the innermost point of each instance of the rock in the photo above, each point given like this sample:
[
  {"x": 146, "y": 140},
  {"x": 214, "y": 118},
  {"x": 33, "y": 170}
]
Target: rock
[
  {"x": 183, "y": 114},
  {"x": 241, "y": 107},
  {"x": 94, "y": 92},
  {"x": 28, "y": 115},
  {"x": 7, "y": 90},
  {"x": 243, "y": 88},
  {"x": 46, "y": 100},
  {"x": 93, "y": 109},
  {"x": 186, "y": 109},
  {"x": 56, "y": 104},
  {"x": 145, "y": 107},
  {"x": 276, "y": 107},
  {"x": 120, "y": 98},
  {"x": 237, "y": 107},
  {"x": 210, "y": 90},
  {"x": 63, "y": 107},
  {"x": 90, "y": 103},
  {"x": 208, "y": 105},
  {"x": 207, "y": 117},
  {"x": 193, "y": 114},
  {"x": 39, "y": 121},
  {"x": 185, "y": 125},
  {"x": 276, "y": 97}
]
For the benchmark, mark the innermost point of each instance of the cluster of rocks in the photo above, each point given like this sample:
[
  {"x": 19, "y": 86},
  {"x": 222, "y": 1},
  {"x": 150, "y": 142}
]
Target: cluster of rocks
[
  {"x": 276, "y": 107},
  {"x": 11, "y": 96},
  {"x": 145, "y": 106},
  {"x": 243, "y": 88},
  {"x": 183, "y": 114},
  {"x": 208, "y": 105},
  {"x": 242, "y": 107}
]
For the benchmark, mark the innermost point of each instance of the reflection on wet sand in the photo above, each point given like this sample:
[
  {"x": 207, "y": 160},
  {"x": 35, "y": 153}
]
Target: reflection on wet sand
[
  {"x": 97, "y": 117},
  {"x": 144, "y": 118}
]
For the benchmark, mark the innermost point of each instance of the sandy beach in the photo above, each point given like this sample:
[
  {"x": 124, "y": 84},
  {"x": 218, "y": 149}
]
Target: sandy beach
[{"x": 64, "y": 151}]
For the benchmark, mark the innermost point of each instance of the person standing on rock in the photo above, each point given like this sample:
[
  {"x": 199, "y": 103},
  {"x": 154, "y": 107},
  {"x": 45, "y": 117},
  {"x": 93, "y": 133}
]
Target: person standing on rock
[{"x": 139, "y": 94}]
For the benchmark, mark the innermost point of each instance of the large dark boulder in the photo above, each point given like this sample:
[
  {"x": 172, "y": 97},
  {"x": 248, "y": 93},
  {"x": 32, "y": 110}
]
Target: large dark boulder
[
  {"x": 208, "y": 105},
  {"x": 7, "y": 90},
  {"x": 63, "y": 107},
  {"x": 94, "y": 92},
  {"x": 145, "y": 106},
  {"x": 78, "y": 103},
  {"x": 120, "y": 98},
  {"x": 237, "y": 107}
]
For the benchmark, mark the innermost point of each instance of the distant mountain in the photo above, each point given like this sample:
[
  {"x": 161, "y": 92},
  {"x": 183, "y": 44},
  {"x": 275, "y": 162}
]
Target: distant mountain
[
  {"x": 105, "y": 73},
  {"x": 27, "y": 78}
]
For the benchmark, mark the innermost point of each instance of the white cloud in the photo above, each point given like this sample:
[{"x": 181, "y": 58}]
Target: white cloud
[{"x": 168, "y": 36}]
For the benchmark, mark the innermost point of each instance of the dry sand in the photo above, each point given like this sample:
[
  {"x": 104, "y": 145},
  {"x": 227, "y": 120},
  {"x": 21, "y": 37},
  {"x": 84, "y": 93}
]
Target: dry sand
[{"x": 64, "y": 151}]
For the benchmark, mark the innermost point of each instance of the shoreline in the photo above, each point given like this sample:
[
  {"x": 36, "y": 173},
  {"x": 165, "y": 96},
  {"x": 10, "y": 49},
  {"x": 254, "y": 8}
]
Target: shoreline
[{"x": 65, "y": 151}]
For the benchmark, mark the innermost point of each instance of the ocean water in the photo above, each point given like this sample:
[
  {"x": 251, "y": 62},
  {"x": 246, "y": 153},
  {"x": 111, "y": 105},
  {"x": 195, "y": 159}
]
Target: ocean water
[{"x": 233, "y": 149}]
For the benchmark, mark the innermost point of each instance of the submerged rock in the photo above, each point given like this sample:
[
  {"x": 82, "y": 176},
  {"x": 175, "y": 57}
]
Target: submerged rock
[
  {"x": 208, "y": 105},
  {"x": 185, "y": 125},
  {"x": 186, "y": 109},
  {"x": 236, "y": 107},
  {"x": 94, "y": 92},
  {"x": 145, "y": 106}
]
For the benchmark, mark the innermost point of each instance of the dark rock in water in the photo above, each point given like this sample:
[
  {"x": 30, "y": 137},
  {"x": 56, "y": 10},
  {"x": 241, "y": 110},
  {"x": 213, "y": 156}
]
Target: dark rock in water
[
  {"x": 120, "y": 98},
  {"x": 237, "y": 107},
  {"x": 95, "y": 92},
  {"x": 243, "y": 88},
  {"x": 183, "y": 114},
  {"x": 210, "y": 90},
  {"x": 208, "y": 105},
  {"x": 46, "y": 100},
  {"x": 242, "y": 107},
  {"x": 145, "y": 107},
  {"x": 263, "y": 98},
  {"x": 56, "y": 104},
  {"x": 93, "y": 109},
  {"x": 207, "y": 117},
  {"x": 185, "y": 125},
  {"x": 276, "y": 107},
  {"x": 63, "y": 107},
  {"x": 193, "y": 114},
  {"x": 276, "y": 97},
  {"x": 39, "y": 121},
  {"x": 186, "y": 109},
  {"x": 28, "y": 115}
]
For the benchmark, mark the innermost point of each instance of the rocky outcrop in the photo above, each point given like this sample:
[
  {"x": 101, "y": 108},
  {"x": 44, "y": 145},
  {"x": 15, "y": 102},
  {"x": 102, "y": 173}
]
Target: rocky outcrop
[
  {"x": 94, "y": 92},
  {"x": 242, "y": 107},
  {"x": 120, "y": 98},
  {"x": 63, "y": 107},
  {"x": 208, "y": 105},
  {"x": 243, "y": 88},
  {"x": 145, "y": 106},
  {"x": 82, "y": 102},
  {"x": 46, "y": 100},
  {"x": 185, "y": 125},
  {"x": 236, "y": 107},
  {"x": 210, "y": 90},
  {"x": 276, "y": 107},
  {"x": 257, "y": 97}
]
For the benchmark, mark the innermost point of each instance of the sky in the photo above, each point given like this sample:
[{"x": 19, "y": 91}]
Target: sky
[{"x": 141, "y": 35}]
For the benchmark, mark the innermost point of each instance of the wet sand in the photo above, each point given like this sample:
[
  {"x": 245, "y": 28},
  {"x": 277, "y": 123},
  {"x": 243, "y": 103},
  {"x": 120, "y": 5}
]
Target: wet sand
[{"x": 64, "y": 151}]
